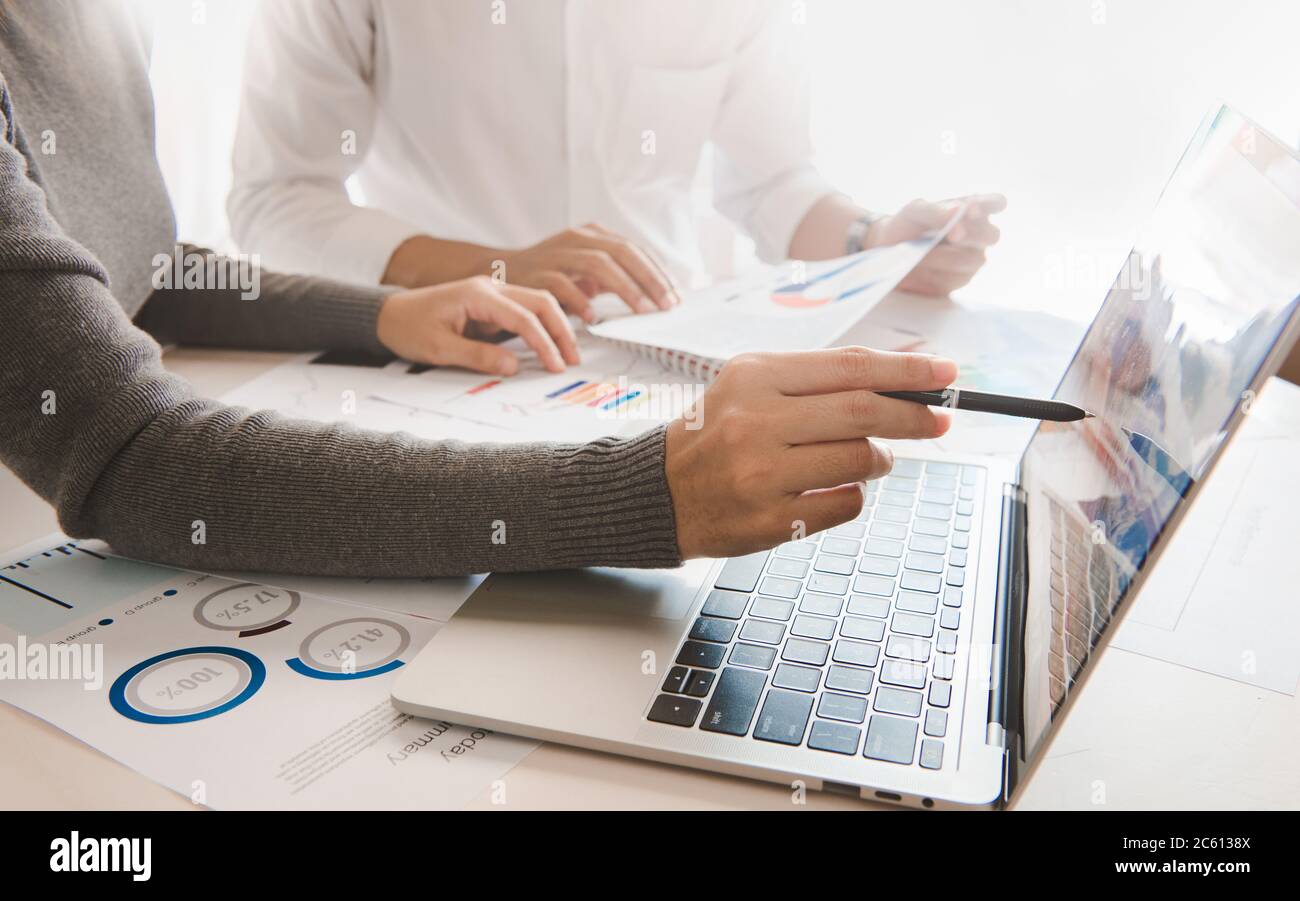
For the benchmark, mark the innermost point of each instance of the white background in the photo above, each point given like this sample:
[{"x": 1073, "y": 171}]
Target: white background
[{"x": 1076, "y": 109}]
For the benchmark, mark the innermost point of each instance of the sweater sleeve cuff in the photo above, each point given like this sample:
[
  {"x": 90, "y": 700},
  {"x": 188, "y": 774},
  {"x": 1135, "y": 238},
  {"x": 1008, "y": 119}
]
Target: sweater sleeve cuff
[
  {"x": 609, "y": 504},
  {"x": 347, "y": 315}
]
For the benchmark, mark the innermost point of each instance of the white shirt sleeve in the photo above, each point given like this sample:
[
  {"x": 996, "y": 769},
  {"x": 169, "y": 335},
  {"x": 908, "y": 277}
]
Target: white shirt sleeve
[
  {"x": 764, "y": 179},
  {"x": 306, "y": 121}
]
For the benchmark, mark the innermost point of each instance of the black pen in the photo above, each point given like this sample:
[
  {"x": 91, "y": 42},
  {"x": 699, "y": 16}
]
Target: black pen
[{"x": 983, "y": 402}]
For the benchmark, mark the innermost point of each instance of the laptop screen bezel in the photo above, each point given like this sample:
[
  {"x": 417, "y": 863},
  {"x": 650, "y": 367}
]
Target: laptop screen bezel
[{"x": 1019, "y": 775}]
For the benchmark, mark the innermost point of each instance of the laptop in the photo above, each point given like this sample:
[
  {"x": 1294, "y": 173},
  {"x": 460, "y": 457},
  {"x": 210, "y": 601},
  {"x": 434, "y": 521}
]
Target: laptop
[{"x": 927, "y": 652}]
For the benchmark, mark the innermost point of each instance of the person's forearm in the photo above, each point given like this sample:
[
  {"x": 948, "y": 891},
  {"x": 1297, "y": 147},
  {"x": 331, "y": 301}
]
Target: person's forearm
[
  {"x": 824, "y": 231},
  {"x": 425, "y": 260},
  {"x": 264, "y": 310}
]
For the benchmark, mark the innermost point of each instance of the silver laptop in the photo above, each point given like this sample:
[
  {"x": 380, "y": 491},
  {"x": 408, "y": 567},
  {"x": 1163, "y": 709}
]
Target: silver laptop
[{"x": 927, "y": 652}]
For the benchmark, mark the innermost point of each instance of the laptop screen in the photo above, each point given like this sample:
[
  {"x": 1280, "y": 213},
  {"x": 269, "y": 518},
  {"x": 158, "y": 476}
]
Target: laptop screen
[{"x": 1181, "y": 336}]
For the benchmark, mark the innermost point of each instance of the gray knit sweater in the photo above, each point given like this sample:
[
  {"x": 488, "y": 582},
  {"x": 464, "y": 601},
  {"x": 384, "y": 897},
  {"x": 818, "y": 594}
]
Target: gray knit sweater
[{"x": 129, "y": 453}]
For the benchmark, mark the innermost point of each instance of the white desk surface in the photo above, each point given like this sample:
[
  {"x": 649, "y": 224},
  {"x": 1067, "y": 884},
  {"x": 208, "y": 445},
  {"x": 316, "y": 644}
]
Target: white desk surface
[{"x": 1145, "y": 734}]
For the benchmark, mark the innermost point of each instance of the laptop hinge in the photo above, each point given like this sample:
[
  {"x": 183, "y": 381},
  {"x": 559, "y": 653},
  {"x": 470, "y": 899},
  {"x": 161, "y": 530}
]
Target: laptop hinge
[{"x": 1006, "y": 677}]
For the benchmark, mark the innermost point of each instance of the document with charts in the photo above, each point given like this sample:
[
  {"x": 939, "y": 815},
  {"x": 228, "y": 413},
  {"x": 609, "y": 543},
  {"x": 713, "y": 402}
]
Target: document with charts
[
  {"x": 234, "y": 694},
  {"x": 794, "y": 306}
]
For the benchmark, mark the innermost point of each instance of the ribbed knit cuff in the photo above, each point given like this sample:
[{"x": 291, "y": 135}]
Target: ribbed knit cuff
[
  {"x": 345, "y": 316},
  {"x": 608, "y": 504}
]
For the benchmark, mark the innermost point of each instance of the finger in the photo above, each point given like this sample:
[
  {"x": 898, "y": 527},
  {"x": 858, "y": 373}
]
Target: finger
[
  {"x": 853, "y": 368},
  {"x": 568, "y": 293},
  {"x": 974, "y": 232},
  {"x": 497, "y": 309},
  {"x": 856, "y": 414},
  {"x": 986, "y": 204},
  {"x": 954, "y": 258},
  {"x": 930, "y": 215},
  {"x": 650, "y": 277},
  {"x": 547, "y": 310},
  {"x": 480, "y": 356},
  {"x": 601, "y": 268},
  {"x": 932, "y": 284},
  {"x": 825, "y": 509},
  {"x": 832, "y": 463}
]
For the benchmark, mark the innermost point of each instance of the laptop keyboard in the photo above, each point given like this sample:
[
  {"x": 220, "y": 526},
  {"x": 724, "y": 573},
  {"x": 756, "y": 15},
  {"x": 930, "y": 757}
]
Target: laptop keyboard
[
  {"x": 1084, "y": 589},
  {"x": 846, "y": 641}
]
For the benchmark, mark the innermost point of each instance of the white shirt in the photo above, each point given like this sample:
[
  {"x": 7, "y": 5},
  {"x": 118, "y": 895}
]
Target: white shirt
[{"x": 501, "y": 122}]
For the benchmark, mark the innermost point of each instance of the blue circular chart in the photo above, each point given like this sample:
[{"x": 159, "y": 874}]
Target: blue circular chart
[
  {"x": 356, "y": 648},
  {"x": 187, "y": 685}
]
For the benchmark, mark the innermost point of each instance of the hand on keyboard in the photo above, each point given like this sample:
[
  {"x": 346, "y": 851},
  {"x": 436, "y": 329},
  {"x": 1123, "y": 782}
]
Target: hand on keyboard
[{"x": 781, "y": 444}]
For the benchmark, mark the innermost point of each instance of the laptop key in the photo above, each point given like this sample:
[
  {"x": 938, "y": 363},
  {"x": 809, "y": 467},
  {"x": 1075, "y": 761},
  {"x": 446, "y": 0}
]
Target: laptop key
[
  {"x": 956, "y": 577},
  {"x": 890, "y": 738},
  {"x": 835, "y": 564},
  {"x": 849, "y": 547},
  {"x": 944, "y": 666},
  {"x": 741, "y": 573},
  {"x": 961, "y": 540},
  {"x": 928, "y": 544},
  {"x": 849, "y": 530},
  {"x": 902, "y": 672},
  {"x": 884, "y": 547},
  {"x": 931, "y": 527},
  {"x": 934, "y": 511},
  {"x": 697, "y": 653},
  {"x": 936, "y": 723},
  {"x": 931, "y": 754},
  {"x": 674, "y": 710},
  {"x": 800, "y": 678},
  {"x": 914, "y": 602},
  {"x": 753, "y": 655},
  {"x": 734, "y": 699},
  {"x": 908, "y": 469},
  {"x": 957, "y": 558},
  {"x": 862, "y": 629},
  {"x": 783, "y": 717},
  {"x": 879, "y": 585},
  {"x": 912, "y": 624},
  {"x": 905, "y": 648},
  {"x": 915, "y": 581},
  {"x": 707, "y": 629},
  {"x": 895, "y": 516},
  {"x": 781, "y": 566},
  {"x": 771, "y": 608},
  {"x": 836, "y": 737},
  {"x": 946, "y": 643},
  {"x": 676, "y": 681},
  {"x": 821, "y": 604},
  {"x": 892, "y": 530},
  {"x": 842, "y": 707},
  {"x": 726, "y": 604},
  {"x": 801, "y": 650},
  {"x": 926, "y": 563},
  {"x": 878, "y": 566},
  {"x": 800, "y": 550},
  {"x": 776, "y": 586},
  {"x": 940, "y": 694},
  {"x": 949, "y": 619},
  {"x": 829, "y": 584},
  {"x": 856, "y": 652},
  {"x": 897, "y": 700},
  {"x": 699, "y": 682},
  {"x": 863, "y": 605},
  {"x": 849, "y": 678},
  {"x": 763, "y": 631},
  {"x": 818, "y": 627},
  {"x": 952, "y": 597}
]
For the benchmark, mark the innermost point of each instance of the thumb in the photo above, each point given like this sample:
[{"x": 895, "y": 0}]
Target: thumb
[{"x": 479, "y": 356}]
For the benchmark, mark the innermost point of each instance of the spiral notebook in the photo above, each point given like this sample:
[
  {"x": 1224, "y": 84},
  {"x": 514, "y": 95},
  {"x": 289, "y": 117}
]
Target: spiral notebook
[{"x": 793, "y": 306}]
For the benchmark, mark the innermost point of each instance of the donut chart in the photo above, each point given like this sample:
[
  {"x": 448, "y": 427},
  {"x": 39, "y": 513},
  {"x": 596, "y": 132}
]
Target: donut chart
[
  {"x": 187, "y": 685},
  {"x": 355, "y": 648}
]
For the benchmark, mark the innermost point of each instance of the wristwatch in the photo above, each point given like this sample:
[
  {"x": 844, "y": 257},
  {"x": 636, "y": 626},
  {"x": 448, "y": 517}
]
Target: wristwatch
[{"x": 855, "y": 241}]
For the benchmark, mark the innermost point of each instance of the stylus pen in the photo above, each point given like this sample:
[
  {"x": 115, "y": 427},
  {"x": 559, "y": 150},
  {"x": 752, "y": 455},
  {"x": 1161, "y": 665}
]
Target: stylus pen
[{"x": 983, "y": 402}]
